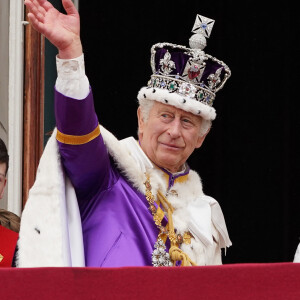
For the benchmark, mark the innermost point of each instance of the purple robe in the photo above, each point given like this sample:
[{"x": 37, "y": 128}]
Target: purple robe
[{"x": 118, "y": 228}]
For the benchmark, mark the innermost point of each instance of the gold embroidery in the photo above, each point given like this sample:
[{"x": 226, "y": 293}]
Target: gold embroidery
[
  {"x": 172, "y": 236},
  {"x": 77, "y": 139},
  {"x": 179, "y": 179},
  {"x": 182, "y": 179},
  {"x": 1, "y": 257},
  {"x": 187, "y": 238}
]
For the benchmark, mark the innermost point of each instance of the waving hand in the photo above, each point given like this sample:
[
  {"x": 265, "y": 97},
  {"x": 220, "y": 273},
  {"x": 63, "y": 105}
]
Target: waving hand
[{"x": 63, "y": 31}]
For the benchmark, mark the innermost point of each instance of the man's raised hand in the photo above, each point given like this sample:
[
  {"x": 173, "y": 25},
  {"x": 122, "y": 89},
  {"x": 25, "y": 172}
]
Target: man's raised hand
[{"x": 63, "y": 31}]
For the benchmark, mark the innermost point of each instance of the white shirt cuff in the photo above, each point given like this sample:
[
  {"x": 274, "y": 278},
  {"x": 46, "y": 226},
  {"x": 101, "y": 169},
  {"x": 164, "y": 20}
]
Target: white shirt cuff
[{"x": 71, "y": 79}]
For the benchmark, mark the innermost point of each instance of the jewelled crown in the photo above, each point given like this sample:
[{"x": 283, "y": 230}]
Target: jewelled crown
[{"x": 187, "y": 78}]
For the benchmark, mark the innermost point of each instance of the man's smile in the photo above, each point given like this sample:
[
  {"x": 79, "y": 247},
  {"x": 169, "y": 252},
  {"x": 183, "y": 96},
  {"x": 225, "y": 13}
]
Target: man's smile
[{"x": 171, "y": 146}]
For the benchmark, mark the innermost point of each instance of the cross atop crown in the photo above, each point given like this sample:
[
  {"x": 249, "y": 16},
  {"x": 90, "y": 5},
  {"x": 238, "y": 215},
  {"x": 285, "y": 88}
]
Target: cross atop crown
[
  {"x": 203, "y": 25},
  {"x": 202, "y": 30}
]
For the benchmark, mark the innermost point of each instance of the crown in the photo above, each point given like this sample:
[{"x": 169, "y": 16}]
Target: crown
[{"x": 187, "y": 78}]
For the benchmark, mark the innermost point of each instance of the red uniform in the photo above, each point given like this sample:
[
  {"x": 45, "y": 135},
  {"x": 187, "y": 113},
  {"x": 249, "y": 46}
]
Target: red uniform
[{"x": 8, "y": 241}]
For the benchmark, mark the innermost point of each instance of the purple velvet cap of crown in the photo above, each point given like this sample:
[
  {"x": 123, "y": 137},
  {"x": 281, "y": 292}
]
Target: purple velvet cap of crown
[{"x": 181, "y": 58}]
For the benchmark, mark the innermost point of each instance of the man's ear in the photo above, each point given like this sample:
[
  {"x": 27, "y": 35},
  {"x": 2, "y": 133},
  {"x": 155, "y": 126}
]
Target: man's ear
[
  {"x": 140, "y": 121},
  {"x": 201, "y": 139}
]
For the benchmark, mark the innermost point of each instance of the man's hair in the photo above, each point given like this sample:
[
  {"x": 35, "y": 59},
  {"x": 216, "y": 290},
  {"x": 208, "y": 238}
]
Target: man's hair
[
  {"x": 146, "y": 106},
  {"x": 4, "y": 158}
]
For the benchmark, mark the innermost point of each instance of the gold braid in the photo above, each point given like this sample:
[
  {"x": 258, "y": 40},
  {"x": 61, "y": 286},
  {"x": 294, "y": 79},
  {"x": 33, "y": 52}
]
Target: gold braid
[{"x": 176, "y": 254}]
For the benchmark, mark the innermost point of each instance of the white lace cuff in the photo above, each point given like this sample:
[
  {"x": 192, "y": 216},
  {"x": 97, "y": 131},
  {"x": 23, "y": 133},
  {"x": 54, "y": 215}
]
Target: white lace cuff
[{"x": 71, "y": 79}]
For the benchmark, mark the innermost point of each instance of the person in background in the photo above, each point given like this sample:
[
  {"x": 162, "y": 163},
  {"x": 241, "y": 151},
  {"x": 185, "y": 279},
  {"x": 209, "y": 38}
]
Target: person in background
[{"x": 9, "y": 222}]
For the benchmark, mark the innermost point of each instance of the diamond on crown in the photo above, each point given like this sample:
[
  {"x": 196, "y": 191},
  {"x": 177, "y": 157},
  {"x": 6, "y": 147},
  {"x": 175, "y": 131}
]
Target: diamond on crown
[
  {"x": 195, "y": 92},
  {"x": 187, "y": 89},
  {"x": 167, "y": 64}
]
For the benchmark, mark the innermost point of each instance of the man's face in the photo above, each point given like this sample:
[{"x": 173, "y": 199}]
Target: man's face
[
  {"x": 169, "y": 136},
  {"x": 2, "y": 178}
]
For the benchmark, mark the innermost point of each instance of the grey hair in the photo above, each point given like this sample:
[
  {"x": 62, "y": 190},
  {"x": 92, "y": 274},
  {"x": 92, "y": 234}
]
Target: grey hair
[{"x": 146, "y": 106}]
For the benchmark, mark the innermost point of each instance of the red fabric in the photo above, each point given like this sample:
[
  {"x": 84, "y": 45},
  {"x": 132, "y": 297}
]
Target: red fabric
[
  {"x": 239, "y": 281},
  {"x": 8, "y": 241}
]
